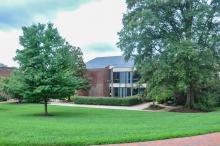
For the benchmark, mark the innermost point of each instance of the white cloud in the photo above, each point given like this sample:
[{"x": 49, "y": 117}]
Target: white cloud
[
  {"x": 96, "y": 22},
  {"x": 9, "y": 44}
]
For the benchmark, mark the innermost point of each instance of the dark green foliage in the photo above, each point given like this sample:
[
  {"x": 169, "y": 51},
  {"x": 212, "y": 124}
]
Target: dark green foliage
[
  {"x": 175, "y": 45},
  {"x": 2, "y": 92},
  {"x": 206, "y": 102},
  {"x": 2, "y": 79},
  {"x": 154, "y": 107},
  {"x": 117, "y": 101},
  {"x": 48, "y": 65},
  {"x": 2, "y": 98},
  {"x": 14, "y": 86}
]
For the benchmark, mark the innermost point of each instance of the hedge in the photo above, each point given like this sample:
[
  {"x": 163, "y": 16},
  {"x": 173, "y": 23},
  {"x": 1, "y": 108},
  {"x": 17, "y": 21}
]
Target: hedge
[{"x": 116, "y": 101}]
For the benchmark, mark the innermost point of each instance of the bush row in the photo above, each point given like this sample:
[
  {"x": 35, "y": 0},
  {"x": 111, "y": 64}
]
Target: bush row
[{"x": 116, "y": 101}]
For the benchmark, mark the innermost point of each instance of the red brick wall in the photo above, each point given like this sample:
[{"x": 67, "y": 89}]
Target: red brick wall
[
  {"x": 99, "y": 82},
  {"x": 5, "y": 71}
]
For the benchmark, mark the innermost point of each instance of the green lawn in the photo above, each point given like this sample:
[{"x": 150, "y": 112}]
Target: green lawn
[{"x": 23, "y": 125}]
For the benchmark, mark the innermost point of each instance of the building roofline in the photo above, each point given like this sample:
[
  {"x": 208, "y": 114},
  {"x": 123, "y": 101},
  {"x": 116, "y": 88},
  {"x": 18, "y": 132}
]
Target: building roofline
[
  {"x": 109, "y": 61},
  {"x": 5, "y": 67}
]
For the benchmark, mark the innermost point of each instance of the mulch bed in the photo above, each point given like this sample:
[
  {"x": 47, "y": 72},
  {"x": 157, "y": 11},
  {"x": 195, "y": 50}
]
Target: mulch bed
[
  {"x": 154, "y": 107},
  {"x": 186, "y": 110}
]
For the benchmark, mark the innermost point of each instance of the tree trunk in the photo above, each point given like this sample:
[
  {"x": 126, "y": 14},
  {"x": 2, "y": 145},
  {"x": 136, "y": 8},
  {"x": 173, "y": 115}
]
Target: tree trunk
[
  {"x": 190, "y": 97},
  {"x": 45, "y": 107},
  {"x": 188, "y": 100}
]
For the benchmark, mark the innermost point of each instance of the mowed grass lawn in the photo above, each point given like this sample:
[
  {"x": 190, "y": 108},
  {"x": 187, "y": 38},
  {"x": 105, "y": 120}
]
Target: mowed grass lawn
[{"x": 24, "y": 125}]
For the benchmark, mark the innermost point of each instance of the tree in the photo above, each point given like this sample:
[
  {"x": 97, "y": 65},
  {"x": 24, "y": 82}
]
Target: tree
[
  {"x": 46, "y": 64},
  {"x": 2, "y": 80},
  {"x": 2, "y": 65},
  {"x": 175, "y": 45},
  {"x": 14, "y": 86},
  {"x": 79, "y": 67}
]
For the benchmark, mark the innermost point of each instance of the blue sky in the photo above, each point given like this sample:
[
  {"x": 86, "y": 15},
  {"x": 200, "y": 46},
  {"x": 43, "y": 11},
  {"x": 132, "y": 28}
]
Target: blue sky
[{"x": 89, "y": 24}]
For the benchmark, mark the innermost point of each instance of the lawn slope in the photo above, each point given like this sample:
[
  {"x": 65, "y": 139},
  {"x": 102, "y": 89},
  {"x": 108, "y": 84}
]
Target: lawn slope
[{"x": 23, "y": 125}]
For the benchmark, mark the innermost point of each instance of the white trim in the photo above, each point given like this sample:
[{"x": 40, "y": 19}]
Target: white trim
[
  {"x": 125, "y": 69},
  {"x": 128, "y": 85}
]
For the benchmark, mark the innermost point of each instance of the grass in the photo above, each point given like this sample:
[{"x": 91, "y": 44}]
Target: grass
[{"x": 24, "y": 125}]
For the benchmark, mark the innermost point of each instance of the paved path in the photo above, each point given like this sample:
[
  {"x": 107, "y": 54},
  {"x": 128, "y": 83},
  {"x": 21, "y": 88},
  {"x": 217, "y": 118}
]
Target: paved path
[
  {"x": 139, "y": 107},
  {"x": 201, "y": 140},
  {"x": 136, "y": 107}
]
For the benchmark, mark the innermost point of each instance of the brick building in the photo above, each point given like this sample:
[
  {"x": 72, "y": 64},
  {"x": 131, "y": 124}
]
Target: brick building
[
  {"x": 112, "y": 76},
  {"x": 5, "y": 71}
]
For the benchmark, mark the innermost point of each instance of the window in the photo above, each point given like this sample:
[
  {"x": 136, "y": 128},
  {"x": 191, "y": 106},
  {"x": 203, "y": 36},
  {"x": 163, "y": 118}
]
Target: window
[
  {"x": 122, "y": 77},
  {"x": 116, "y": 92},
  {"x": 122, "y": 92},
  {"x": 116, "y": 77},
  {"x": 128, "y": 91},
  {"x": 128, "y": 77}
]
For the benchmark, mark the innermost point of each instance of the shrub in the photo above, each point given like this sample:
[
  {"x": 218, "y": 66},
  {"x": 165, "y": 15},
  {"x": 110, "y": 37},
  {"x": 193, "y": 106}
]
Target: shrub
[
  {"x": 206, "y": 103},
  {"x": 117, "y": 101},
  {"x": 180, "y": 98},
  {"x": 148, "y": 99},
  {"x": 2, "y": 98},
  {"x": 161, "y": 94},
  {"x": 154, "y": 107}
]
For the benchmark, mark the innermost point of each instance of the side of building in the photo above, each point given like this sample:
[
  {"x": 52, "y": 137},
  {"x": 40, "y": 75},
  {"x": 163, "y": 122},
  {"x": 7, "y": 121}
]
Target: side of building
[
  {"x": 112, "y": 76},
  {"x": 5, "y": 71}
]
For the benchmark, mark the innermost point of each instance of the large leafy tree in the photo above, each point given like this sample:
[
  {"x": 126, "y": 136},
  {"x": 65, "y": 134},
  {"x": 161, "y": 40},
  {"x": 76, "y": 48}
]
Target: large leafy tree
[
  {"x": 175, "y": 45},
  {"x": 50, "y": 67}
]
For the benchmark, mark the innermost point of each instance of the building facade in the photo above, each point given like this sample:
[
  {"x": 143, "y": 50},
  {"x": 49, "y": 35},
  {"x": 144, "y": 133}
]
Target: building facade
[
  {"x": 113, "y": 76},
  {"x": 5, "y": 71}
]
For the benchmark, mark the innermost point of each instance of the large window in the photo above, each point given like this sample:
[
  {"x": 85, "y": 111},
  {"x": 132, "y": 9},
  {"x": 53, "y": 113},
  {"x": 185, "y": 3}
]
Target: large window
[
  {"x": 122, "y": 77},
  {"x": 122, "y": 92},
  {"x": 116, "y": 92},
  {"x": 128, "y": 91},
  {"x": 116, "y": 77}
]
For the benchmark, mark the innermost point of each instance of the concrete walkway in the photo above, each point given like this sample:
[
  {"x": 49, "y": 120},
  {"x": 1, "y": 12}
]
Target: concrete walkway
[
  {"x": 136, "y": 107},
  {"x": 140, "y": 107},
  {"x": 201, "y": 140}
]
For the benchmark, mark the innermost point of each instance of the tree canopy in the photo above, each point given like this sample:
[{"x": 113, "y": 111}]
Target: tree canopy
[
  {"x": 175, "y": 45},
  {"x": 49, "y": 66}
]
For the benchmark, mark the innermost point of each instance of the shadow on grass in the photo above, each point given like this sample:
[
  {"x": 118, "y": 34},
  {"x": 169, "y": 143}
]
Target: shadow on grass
[
  {"x": 3, "y": 109},
  {"x": 57, "y": 115}
]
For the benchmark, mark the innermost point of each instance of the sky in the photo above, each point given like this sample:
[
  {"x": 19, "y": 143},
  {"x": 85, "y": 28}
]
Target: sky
[{"x": 91, "y": 25}]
